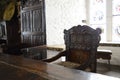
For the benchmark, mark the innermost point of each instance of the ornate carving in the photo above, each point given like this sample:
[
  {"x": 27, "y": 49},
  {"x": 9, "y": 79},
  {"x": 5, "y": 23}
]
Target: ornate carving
[
  {"x": 81, "y": 48},
  {"x": 28, "y": 3},
  {"x": 82, "y": 37}
]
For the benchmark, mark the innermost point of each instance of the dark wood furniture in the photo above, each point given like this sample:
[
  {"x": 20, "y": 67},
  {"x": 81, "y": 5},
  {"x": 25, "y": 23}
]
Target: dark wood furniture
[
  {"x": 33, "y": 28},
  {"x": 104, "y": 54},
  {"x": 39, "y": 52},
  {"x": 19, "y": 68},
  {"x": 81, "y": 48},
  {"x": 27, "y": 28},
  {"x": 12, "y": 37}
]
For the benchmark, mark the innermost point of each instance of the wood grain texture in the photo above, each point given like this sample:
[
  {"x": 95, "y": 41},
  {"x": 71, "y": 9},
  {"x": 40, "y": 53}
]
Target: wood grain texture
[{"x": 19, "y": 68}]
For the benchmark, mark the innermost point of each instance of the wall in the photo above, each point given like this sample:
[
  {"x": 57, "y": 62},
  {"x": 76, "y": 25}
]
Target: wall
[{"x": 60, "y": 15}]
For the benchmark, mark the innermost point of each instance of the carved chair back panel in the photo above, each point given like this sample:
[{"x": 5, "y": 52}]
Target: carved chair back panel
[
  {"x": 78, "y": 56},
  {"x": 81, "y": 43}
]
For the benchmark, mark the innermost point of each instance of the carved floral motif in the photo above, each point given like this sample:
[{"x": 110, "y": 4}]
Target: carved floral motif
[{"x": 28, "y": 3}]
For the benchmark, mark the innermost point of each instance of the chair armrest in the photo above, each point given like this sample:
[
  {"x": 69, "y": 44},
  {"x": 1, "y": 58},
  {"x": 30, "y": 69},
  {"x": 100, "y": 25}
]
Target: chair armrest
[{"x": 55, "y": 57}]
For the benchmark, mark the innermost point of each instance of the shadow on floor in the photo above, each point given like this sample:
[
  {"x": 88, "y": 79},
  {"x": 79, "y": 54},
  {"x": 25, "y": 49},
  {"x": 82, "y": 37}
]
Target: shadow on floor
[{"x": 110, "y": 70}]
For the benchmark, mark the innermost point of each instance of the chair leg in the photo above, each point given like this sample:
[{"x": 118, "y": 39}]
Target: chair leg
[{"x": 109, "y": 62}]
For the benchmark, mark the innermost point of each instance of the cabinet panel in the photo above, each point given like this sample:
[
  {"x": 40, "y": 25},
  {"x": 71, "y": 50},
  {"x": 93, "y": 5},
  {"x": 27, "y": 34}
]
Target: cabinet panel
[
  {"x": 33, "y": 29},
  {"x": 26, "y": 21}
]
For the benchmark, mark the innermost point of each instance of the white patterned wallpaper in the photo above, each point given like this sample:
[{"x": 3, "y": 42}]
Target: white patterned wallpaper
[{"x": 60, "y": 15}]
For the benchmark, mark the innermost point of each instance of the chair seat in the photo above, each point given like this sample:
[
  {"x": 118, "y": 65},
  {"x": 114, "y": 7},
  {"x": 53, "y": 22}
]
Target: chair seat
[
  {"x": 68, "y": 64},
  {"x": 72, "y": 65}
]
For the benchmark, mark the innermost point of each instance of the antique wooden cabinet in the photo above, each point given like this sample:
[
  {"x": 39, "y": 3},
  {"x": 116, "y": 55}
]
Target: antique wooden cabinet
[
  {"x": 12, "y": 33},
  {"x": 33, "y": 28},
  {"x": 27, "y": 27}
]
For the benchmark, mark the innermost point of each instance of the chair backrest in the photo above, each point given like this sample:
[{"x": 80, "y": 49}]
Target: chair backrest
[{"x": 81, "y": 43}]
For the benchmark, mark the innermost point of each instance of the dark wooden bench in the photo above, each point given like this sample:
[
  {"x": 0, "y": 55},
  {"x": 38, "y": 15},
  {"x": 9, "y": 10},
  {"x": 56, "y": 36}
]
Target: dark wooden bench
[
  {"x": 19, "y": 68},
  {"x": 104, "y": 54}
]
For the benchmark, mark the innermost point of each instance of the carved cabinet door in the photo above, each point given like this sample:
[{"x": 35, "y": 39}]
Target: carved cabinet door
[{"x": 33, "y": 29}]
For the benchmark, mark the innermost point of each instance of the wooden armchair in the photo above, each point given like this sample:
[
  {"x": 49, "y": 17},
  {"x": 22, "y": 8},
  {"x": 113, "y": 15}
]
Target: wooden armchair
[{"x": 81, "y": 48}]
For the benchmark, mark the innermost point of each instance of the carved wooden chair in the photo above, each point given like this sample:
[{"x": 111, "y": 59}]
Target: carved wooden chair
[{"x": 81, "y": 48}]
